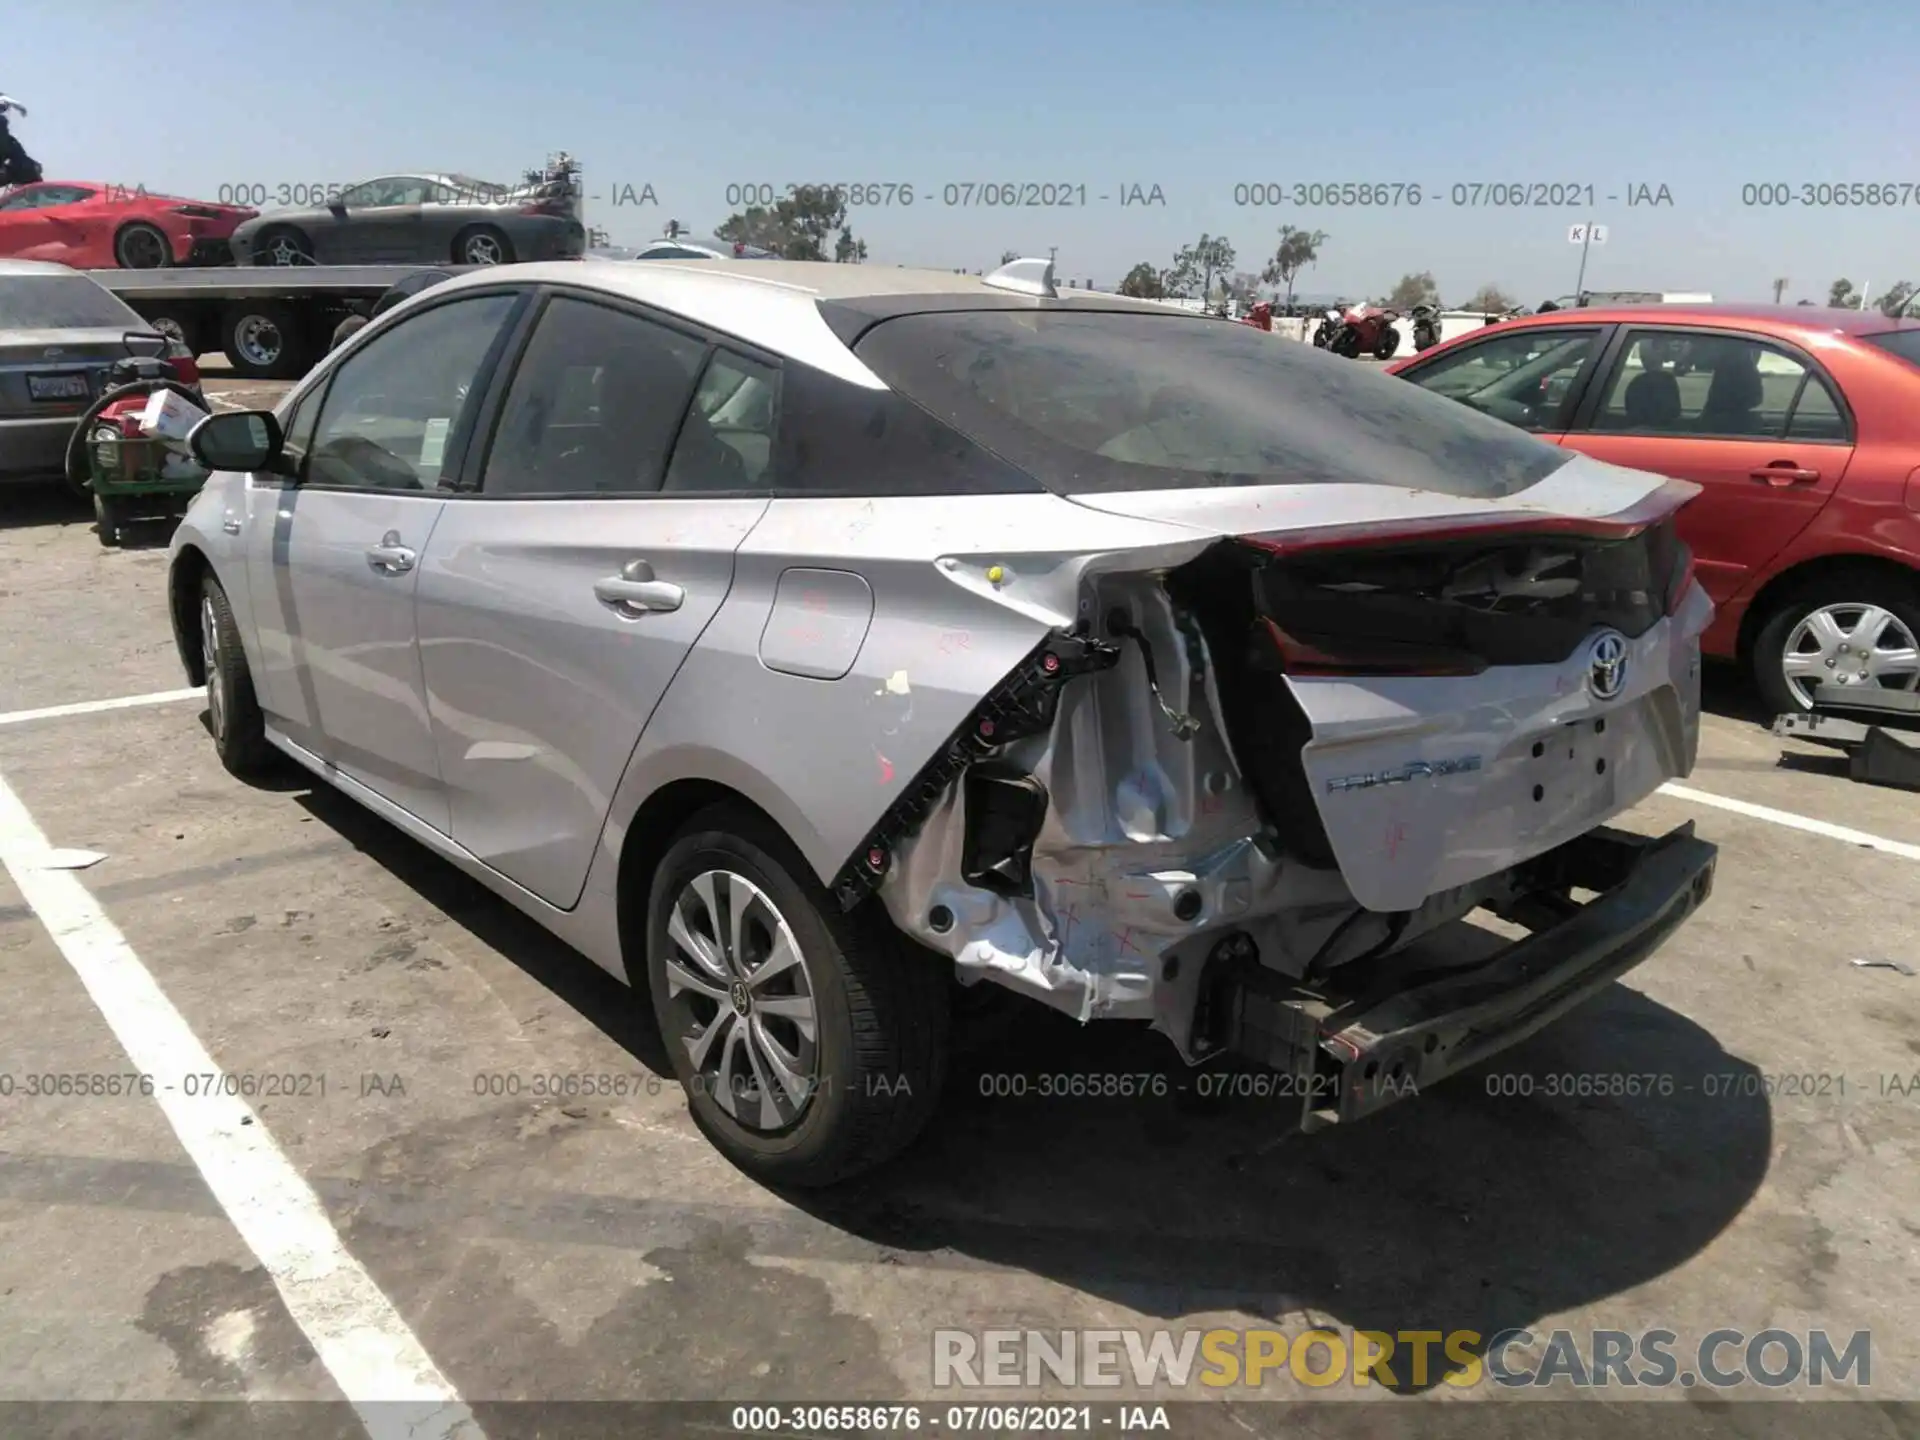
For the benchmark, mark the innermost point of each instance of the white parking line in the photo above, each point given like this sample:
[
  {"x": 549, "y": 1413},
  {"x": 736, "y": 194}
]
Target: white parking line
[
  {"x": 378, "y": 1363},
  {"x": 1793, "y": 821},
  {"x": 93, "y": 707}
]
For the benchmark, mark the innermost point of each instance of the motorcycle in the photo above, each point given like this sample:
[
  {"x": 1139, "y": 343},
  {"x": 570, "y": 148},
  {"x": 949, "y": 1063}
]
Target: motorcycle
[
  {"x": 1260, "y": 316},
  {"x": 1323, "y": 332},
  {"x": 1426, "y": 326},
  {"x": 17, "y": 167},
  {"x": 1366, "y": 329}
]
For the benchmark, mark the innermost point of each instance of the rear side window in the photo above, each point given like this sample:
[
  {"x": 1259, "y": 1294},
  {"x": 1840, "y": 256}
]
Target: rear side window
[
  {"x": 595, "y": 405},
  {"x": 839, "y": 438},
  {"x": 1904, "y": 343},
  {"x": 1106, "y": 401},
  {"x": 727, "y": 440}
]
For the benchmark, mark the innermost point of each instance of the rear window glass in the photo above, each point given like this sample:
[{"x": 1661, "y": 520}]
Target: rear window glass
[
  {"x": 1103, "y": 401},
  {"x": 62, "y": 302},
  {"x": 1904, "y": 343}
]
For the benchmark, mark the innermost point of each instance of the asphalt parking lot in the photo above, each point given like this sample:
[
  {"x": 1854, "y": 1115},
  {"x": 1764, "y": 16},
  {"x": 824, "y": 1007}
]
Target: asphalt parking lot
[{"x": 593, "y": 1246}]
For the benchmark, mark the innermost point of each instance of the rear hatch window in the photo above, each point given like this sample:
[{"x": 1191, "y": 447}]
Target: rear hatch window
[
  {"x": 1103, "y": 401},
  {"x": 1904, "y": 343},
  {"x": 62, "y": 302}
]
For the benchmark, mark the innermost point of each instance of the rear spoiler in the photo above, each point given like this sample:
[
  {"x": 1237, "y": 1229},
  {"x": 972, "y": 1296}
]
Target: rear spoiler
[{"x": 1654, "y": 507}]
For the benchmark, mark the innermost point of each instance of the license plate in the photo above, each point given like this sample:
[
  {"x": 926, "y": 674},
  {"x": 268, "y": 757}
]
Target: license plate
[{"x": 57, "y": 387}]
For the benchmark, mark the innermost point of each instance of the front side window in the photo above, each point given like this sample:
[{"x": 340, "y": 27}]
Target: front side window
[
  {"x": 298, "y": 425},
  {"x": 1522, "y": 377},
  {"x": 388, "y": 190},
  {"x": 595, "y": 405},
  {"x": 1714, "y": 386},
  {"x": 1091, "y": 401},
  {"x": 394, "y": 405}
]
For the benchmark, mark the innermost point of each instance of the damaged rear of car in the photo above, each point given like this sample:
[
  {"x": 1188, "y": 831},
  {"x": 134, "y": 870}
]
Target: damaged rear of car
[{"x": 1407, "y": 667}]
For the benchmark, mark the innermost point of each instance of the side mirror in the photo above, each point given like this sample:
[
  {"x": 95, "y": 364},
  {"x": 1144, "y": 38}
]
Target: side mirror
[{"x": 242, "y": 440}]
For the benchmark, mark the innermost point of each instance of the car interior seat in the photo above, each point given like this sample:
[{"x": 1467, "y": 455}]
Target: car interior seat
[
  {"x": 1653, "y": 398},
  {"x": 1734, "y": 394}
]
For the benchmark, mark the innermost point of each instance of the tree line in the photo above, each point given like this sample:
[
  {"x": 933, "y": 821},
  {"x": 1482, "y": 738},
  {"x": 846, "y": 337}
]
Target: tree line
[
  {"x": 1207, "y": 270},
  {"x": 811, "y": 224}
]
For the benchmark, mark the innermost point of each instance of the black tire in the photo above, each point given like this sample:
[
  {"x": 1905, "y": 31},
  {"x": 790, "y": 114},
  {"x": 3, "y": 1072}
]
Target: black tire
[
  {"x": 1387, "y": 344},
  {"x": 106, "y": 521},
  {"x": 490, "y": 240},
  {"x": 1839, "y": 589},
  {"x": 1345, "y": 342},
  {"x": 140, "y": 246},
  {"x": 264, "y": 340},
  {"x": 183, "y": 326},
  {"x": 282, "y": 245},
  {"x": 346, "y": 330},
  {"x": 880, "y": 1048},
  {"x": 233, "y": 711}
]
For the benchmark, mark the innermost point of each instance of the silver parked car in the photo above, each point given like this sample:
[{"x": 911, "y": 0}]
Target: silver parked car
[
  {"x": 427, "y": 219},
  {"x": 798, "y": 640},
  {"x": 60, "y": 334}
]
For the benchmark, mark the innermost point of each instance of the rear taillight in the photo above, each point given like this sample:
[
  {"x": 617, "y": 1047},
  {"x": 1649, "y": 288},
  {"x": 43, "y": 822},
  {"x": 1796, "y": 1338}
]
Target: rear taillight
[
  {"x": 183, "y": 362},
  {"x": 1375, "y": 658},
  {"x": 197, "y": 212},
  {"x": 545, "y": 207}
]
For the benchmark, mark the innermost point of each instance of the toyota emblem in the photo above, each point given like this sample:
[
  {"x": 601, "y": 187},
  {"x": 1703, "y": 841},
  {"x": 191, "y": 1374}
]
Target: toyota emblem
[{"x": 1607, "y": 665}]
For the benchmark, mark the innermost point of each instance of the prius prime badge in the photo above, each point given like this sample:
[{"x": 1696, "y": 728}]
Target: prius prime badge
[{"x": 1607, "y": 665}]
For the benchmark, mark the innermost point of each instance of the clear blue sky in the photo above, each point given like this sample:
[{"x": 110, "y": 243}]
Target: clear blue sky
[{"x": 1701, "y": 96}]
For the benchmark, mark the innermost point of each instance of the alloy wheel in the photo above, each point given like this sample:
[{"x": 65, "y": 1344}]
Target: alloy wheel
[
  {"x": 1850, "y": 644},
  {"x": 483, "y": 250},
  {"x": 210, "y": 652},
  {"x": 142, "y": 249},
  {"x": 742, "y": 1000}
]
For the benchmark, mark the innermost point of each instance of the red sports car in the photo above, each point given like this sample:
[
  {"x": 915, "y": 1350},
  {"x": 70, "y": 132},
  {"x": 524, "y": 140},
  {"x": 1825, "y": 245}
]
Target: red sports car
[
  {"x": 1801, "y": 426},
  {"x": 91, "y": 226}
]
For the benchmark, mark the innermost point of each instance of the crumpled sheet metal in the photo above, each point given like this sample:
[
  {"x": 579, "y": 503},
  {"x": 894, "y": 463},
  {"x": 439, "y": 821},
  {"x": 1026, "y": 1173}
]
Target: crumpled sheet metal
[{"x": 1135, "y": 818}]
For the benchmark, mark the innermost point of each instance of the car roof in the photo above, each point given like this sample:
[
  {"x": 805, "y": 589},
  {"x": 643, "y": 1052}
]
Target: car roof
[
  {"x": 776, "y": 304},
  {"x": 1775, "y": 319},
  {"x": 40, "y": 267}
]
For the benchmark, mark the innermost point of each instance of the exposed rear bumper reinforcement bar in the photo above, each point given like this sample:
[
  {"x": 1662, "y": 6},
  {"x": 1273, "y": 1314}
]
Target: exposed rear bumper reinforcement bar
[
  {"x": 1350, "y": 1054},
  {"x": 1878, "y": 729}
]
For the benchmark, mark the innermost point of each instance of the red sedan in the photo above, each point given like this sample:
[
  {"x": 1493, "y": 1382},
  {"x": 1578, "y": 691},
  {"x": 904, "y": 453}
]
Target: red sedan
[
  {"x": 91, "y": 226},
  {"x": 1800, "y": 425}
]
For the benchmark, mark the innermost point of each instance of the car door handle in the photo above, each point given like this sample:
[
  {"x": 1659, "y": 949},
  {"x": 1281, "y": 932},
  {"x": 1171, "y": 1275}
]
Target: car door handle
[
  {"x": 390, "y": 557},
  {"x": 1783, "y": 473},
  {"x": 634, "y": 591}
]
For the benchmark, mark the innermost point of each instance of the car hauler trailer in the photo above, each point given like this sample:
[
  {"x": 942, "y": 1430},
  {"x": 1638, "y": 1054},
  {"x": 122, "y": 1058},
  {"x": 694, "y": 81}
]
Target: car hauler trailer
[{"x": 272, "y": 322}]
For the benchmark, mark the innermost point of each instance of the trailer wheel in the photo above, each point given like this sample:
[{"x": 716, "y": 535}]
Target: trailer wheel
[
  {"x": 189, "y": 329},
  {"x": 141, "y": 246},
  {"x": 264, "y": 340}
]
